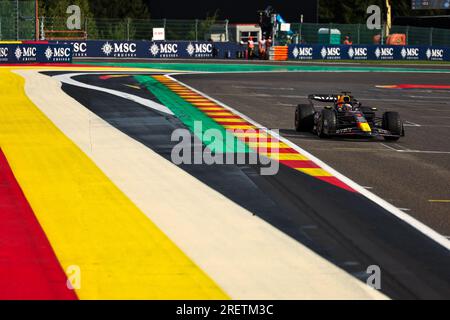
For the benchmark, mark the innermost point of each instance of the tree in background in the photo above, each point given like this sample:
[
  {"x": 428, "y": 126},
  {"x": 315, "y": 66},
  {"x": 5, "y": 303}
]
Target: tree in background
[
  {"x": 102, "y": 19},
  {"x": 56, "y": 16},
  {"x": 119, "y": 9},
  {"x": 203, "y": 26}
]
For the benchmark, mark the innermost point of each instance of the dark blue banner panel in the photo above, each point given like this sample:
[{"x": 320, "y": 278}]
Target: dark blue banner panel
[
  {"x": 156, "y": 49},
  {"x": 35, "y": 53},
  {"x": 368, "y": 52}
]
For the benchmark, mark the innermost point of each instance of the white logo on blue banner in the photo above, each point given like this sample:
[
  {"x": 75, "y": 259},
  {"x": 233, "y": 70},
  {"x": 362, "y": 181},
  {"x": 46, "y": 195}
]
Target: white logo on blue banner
[
  {"x": 164, "y": 50},
  {"x": 331, "y": 53},
  {"x": 4, "y": 54},
  {"x": 80, "y": 49},
  {"x": 303, "y": 53},
  {"x": 120, "y": 49},
  {"x": 57, "y": 54},
  {"x": 384, "y": 53},
  {"x": 26, "y": 53},
  {"x": 190, "y": 49},
  {"x": 107, "y": 49},
  {"x": 154, "y": 49},
  {"x": 435, "y": 54},
  {"x": 358, "y": 53},
  {"x": 410, "y": 53},
  {"x": 200, "y": 50}
]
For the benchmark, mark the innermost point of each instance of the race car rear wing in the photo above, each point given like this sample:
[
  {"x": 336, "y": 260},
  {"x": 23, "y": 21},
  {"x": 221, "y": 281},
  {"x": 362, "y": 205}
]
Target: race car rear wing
[
  {"x": 323, "y": 97},
  {"x": 329, "y": 97}
]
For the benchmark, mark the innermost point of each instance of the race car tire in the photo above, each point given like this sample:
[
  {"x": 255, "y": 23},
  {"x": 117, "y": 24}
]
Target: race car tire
[
  {"x": 326, "y": 127},
  {"x": 304, "y": 118},
  {"x": 392, "y": 123}
]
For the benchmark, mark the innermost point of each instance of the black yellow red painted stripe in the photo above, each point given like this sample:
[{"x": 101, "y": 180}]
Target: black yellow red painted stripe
[{"x": 256, "y": 138}]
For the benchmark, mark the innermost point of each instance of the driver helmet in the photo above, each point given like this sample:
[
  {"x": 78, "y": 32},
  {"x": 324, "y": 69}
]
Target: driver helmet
[
  {"x": 347, "y": 106},
  {"x": 343, "y": 100}
]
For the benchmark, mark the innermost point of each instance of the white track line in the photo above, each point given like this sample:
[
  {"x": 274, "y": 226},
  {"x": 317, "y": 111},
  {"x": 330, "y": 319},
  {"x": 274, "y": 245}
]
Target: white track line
[
  {"x": 438, "y": 238},
  {"x": 67, "y": 78}
]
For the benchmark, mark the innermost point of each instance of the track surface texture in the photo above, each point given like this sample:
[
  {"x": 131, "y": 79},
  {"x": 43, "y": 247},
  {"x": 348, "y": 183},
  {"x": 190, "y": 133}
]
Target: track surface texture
[
  {"x": 347, "y": 229},
  {"x": 410, "y": 174}
]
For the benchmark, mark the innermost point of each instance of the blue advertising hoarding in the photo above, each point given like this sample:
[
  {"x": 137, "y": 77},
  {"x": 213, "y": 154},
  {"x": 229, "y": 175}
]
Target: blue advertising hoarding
[
  {"x": 368, "y": 52},
  {"x": 154, "y": 49},
  {"x": 35, "y": 53},
  {"x": 223, "y": 50}
]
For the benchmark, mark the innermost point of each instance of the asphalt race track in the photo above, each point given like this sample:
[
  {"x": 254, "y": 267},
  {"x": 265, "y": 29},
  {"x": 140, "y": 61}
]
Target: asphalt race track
[
  {"x": 346, "y": 229},
  {"x": 413, "y": 174}
]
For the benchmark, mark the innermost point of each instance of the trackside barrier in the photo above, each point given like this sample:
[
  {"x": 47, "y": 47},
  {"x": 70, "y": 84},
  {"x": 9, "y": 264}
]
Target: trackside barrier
[
  {"x": 368, "y": 52},
  {"x": 35, "y": 53},
  {"x": 155, "y": 49},
  {"x": 279, "y": 53}
]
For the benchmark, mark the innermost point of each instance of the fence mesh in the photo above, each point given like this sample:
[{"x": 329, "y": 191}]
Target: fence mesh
[
  {"x": 135, "y": 29},
  {"x": 17, "y": 22}
]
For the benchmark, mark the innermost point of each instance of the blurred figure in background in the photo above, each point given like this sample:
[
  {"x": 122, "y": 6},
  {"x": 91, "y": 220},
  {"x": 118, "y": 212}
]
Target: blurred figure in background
[
  {"x": 347, "y": 41},
  {"x": 251, "y": 47},
  {"x": 262, "y": 48}
]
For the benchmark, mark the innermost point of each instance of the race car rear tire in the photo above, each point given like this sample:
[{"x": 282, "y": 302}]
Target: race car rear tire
[
  {"x": 304, "y": 118},
  {"x": 327, "y": 124},
  {"x": 392, "y": 123}
]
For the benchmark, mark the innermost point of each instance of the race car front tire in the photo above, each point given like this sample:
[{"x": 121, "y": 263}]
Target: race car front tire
[
  {"x": 393, "y": 124},
  {"x": 304, "y": 118},
  {"x": 327, "y": 123}
]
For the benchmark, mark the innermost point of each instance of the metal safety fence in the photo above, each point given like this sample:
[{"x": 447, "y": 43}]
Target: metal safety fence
[
  {"x": 137, "y": 29},
  {"x": 17, "y": 20}
]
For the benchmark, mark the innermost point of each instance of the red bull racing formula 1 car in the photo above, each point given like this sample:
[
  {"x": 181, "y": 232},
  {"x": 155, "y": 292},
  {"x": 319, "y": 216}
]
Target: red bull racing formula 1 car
[{"x": 346, "y": 117}]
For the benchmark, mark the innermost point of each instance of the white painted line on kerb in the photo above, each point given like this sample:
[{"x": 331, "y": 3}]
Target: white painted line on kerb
[{"x": 376, "y": 199}]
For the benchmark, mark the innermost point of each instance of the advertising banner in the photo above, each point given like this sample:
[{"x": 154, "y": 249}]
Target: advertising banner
[
  {"x": 35, "y": 53},
  {"x": 154, "y": 49},
  {"x": 368, "y": 52}
]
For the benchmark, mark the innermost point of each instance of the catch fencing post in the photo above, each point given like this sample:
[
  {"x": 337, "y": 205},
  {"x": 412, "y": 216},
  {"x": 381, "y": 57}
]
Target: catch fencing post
[
  {"x": 196, "y": 29},
  {"x": 128, "y": 29},
  {"x": 359, "y": 34},
  {"x": 0, "y": 28},
  {"x": 329, "y": 33},
  {"x": 17, "y": 19},
  {"x": 407, "y": 35},
  {"x": 86, "y": 27},
  {"x": 42, "y": 33},
  {"x": 226, "y": 30},
  {"x": 431, "y": 36}
]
